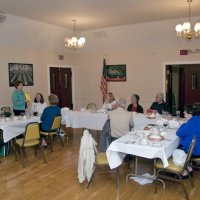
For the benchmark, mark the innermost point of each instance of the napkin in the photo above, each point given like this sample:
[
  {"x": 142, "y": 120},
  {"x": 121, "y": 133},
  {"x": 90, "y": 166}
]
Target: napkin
[
  {"x": 141, "y": 180},
  {"x": 173, "y": 124},
  {"x": 179, "y": 157},
  {"x": 161, "y": 121},
  {"x": 64, "y": 110}
]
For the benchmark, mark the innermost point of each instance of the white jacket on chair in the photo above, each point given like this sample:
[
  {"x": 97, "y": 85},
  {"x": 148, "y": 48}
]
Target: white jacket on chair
[{"x": 87, "y": 154}]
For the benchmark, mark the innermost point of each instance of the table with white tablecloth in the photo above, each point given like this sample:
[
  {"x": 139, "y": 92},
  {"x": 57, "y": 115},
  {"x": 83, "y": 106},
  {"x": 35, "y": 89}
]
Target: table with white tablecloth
[
  {"x": 95, "y": 120},
  {"x": 122, "y": 146},
  {"x": 13, "y": 128},
  {"x": 89, "y": 120}
]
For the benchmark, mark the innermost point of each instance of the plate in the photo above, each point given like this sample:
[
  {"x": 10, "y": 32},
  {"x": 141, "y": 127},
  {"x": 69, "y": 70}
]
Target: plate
[{"x": 155, "y": 138}]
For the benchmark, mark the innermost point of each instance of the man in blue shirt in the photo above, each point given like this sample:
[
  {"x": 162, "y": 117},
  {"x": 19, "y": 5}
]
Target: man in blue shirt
[{"x": 190, "y": 129}]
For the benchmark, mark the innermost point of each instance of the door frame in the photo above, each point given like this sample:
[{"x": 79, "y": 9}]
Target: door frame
[
  {"x": 173, "y": 63},
  {"x": 73, "y": 79}
]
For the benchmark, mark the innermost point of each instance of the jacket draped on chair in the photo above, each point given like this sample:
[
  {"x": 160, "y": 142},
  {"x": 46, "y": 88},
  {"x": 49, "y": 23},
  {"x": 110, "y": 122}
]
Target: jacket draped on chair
[{"x": 87, "y": 154}]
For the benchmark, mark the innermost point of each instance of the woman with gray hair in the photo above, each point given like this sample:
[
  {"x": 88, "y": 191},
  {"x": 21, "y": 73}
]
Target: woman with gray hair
[
  {"x": 49, "y": 113},
  {"x": 160, "y": 105}
]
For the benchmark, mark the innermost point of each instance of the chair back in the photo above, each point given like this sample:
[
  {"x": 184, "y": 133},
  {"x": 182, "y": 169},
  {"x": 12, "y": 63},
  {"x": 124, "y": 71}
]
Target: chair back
[
  {"x": 56, "y": 122},
  {"x": 189, "y": 154},
  {"x": 32, "y": 131},
  {"x": 92, "y": 106}
]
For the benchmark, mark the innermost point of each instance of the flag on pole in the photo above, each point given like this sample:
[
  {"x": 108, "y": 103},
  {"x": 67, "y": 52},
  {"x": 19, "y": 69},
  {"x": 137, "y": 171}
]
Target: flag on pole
[{"x": 103, "y": 85}]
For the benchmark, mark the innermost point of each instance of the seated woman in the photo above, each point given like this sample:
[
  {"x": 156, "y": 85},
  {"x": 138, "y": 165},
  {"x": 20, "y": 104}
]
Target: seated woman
[
  {"x": 109, "y": 102},
  {"x": 50, "y": 112},
  {"x": 160, "y": 105},
  {"x": 134, "y": 106},
  {"x": 48, "y": 115},
  {"x": 190, "y": 129},
  {"x": 38, "y": 105}
]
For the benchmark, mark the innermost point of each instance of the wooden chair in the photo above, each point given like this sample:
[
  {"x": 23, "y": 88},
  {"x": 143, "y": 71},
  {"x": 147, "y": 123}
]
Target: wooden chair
[
  {"x": 100, "y": 162},
  {"x": 55, "y": 128},
  {"x": 173, "y": 170},
  {"x": 31, "y": 138}
]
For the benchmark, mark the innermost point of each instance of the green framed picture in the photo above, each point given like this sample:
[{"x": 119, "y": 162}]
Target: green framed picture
[{"x": 116, "y": 72}]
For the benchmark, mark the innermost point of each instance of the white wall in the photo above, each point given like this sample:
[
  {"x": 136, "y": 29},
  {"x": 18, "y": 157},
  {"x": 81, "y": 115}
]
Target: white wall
[{"x": 145, "y": 48}]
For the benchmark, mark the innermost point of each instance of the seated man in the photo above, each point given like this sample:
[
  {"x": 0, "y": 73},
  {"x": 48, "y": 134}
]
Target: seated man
[
  {"x": 120, "y": 120},
  {"x": 160, "y": 105},
  {"x": 190, "y": 129}
]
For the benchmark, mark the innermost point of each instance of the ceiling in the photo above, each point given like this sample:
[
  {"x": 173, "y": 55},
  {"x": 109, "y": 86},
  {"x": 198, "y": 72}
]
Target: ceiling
[{"x": 96, "y": 14}]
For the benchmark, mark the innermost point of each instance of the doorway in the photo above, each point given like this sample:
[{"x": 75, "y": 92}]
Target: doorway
[
  {"x": 61, "y": 85},
  {"x": 182, "y": 86}
]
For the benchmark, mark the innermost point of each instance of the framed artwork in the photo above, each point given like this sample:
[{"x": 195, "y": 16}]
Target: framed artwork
[
  {"x": 116, "y": 72},
  {"x": 22, "y": 72}
]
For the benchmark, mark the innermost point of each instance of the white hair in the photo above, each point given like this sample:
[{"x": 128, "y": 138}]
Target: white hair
[
  {"x": 121, "y": 102},
  {"x": 160, "y": 94}
]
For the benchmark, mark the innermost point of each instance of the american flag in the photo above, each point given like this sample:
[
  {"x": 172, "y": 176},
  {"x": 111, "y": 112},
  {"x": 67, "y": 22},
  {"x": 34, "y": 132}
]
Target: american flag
[{"x": 103, "y": 85}]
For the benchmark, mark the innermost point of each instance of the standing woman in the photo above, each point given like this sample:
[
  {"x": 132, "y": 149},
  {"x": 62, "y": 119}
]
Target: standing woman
[
  {"x": 18, "y": 98},
  {"x": 135, "y": 106}
]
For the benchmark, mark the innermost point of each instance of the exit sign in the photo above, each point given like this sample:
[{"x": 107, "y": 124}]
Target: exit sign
[{"x": 183, "y": 52}]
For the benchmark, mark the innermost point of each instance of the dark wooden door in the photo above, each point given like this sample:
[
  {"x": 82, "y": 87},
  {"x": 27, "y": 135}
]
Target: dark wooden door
[
  {"x": 61, "y": 85},
  {"x": 168, "y": 85},
  {"x": 192, "y": 84}
]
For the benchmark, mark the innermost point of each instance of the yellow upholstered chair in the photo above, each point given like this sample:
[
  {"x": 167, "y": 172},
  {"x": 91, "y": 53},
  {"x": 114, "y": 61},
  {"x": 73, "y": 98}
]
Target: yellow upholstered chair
[
  {"x": 195, "y": 162},
  {"x": 55, "y": 127},
  {"x": 31, "y": 138},
  {"x": 101, "y": 161},
  {"x": 173, "y": 170}
]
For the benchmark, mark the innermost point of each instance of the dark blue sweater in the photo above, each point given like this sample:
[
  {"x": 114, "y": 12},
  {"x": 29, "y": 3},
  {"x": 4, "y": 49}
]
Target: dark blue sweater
[
  {"x": 47, "y": 117},
  {"x": 187, "y": 131}
]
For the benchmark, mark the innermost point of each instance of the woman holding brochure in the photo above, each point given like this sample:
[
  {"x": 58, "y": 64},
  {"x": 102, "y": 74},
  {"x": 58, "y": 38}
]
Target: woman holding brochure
[{"x": 19, "y": 99}]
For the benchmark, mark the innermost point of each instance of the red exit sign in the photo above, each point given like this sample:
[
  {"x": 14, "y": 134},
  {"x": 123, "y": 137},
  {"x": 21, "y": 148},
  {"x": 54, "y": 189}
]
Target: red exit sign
[{"x": 183, "y": 52}]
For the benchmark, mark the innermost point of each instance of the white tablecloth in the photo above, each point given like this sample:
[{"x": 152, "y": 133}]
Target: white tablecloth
[
  {"x": 140, "y": 121},
  {"x": 13, "y": 128},
  {"x": 117, "y": 150},
  {"x": 76, "y": 119}
]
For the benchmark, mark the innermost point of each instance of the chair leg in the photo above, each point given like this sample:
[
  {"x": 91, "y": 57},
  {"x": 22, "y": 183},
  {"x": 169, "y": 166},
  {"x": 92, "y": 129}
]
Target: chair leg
[
  {"x": 49, "y": 142},
  {"x": 191, "y": 180},
  {"x": 35, "y": 151},
  {"x": 61, "y": 140},
  {"x": 22, "y": 157},
  {"x": 117, "y": 182},
  {"x": 156, "y": 183},
  {"x": 44, "y": 158},
  {"x": 91, "y": 178},
  {"x": 183, "y": 187},
  {"x": 16, "y": 154}
]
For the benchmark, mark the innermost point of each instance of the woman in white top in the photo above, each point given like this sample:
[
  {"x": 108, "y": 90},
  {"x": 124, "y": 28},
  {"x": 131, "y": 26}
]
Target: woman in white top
[
  {"x": 110, "y": 102},
  {"x": 38, "y": 105}
]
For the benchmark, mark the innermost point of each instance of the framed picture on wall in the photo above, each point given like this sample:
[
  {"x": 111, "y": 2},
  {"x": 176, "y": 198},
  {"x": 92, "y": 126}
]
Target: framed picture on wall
[
  {"x": 116, "y": 72},
  {"x": 22, "y": 72}
]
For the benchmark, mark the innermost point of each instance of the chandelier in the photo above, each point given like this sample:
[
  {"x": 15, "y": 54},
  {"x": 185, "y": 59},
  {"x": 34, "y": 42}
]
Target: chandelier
[
  {"x": 184, "y": 30},
  {"x": 74, "y": 43}
]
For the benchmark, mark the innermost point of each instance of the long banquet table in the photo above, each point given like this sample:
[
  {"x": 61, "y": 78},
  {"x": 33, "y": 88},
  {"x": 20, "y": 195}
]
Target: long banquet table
[
  {"x": 89, "y": 120},
  {"x": 13, "y": 128},
  {"x": 94, "y": 120},
  {"x": 122, "y": 146}
]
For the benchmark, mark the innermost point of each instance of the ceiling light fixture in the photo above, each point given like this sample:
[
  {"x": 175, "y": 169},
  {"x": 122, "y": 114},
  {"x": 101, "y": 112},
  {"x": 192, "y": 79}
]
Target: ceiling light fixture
[
  {"x": 184, "y": 30},
  {"x": 74, "y": 43}
]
